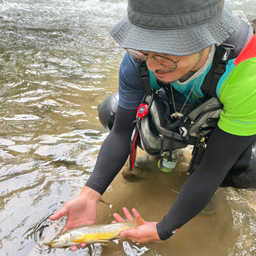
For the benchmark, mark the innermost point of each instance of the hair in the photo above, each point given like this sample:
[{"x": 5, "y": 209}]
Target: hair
[{"x": 201, "y": 53}]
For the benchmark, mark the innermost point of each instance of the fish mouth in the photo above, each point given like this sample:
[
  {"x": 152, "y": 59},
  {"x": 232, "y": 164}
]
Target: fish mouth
[
  {"x": 55, "y": 244},
  {"x": 59, "y": 241}
]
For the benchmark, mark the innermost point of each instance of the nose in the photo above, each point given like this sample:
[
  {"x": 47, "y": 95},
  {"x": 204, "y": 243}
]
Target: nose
[{"x": 152, "y": 64}]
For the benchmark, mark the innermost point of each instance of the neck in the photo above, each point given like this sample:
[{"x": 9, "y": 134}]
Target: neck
[
  {"x": 203, "y": 56},
  {"x": 186, "y": 76}
]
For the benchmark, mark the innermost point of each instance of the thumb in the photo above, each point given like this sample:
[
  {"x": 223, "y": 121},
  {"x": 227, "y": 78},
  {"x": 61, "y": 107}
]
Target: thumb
[
  {"x": 128, "y": 233},
  {"x": 59, "y": 214}
]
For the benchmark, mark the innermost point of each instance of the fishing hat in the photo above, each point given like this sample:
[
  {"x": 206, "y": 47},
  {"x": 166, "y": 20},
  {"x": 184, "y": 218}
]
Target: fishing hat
[{"x": 175, "y": 27}]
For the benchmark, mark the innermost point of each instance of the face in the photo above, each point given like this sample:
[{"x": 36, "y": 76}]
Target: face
[{"x": 186, "y": 64}]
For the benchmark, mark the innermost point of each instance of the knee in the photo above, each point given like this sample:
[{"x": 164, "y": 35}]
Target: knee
[
  {"x": 107, "y": 111},
  {"x": 243, "y": 173}
]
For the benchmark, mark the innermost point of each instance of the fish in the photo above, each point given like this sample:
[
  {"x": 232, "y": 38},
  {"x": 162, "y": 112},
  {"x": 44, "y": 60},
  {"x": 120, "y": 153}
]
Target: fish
[{"x": 94, "y": 233}]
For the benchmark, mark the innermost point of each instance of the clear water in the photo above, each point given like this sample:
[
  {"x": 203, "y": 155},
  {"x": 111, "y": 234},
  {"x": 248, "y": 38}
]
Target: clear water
[{"x": 57, "y": 63}]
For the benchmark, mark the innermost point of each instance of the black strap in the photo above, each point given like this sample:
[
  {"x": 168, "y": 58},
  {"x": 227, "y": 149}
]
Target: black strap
[
  {"x": 230, "y": 49},
  {"x": 216, "y": 71},
  {"x": 145, "y": 77}
]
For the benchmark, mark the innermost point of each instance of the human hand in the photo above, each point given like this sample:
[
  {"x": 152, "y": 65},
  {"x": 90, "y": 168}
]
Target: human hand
[
  {"x": 142, "y": 234},
  {"x": 81, "y": 210}
]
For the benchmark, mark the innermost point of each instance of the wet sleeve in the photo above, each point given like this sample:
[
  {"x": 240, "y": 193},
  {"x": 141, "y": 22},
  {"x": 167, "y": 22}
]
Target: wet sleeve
[
  {"x": 114, "y": 151},
  {"x": 223, "y": 150}
]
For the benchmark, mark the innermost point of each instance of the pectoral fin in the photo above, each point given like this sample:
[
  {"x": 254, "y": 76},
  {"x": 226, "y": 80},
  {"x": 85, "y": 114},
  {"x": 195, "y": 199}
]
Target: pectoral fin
[
  {"x": 78, "y": 240},
  {"x": 103, "y": 242}
]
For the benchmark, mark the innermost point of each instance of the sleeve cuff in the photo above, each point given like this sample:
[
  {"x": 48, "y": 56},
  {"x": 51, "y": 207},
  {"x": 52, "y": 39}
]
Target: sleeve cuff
[{"x": 162, "y": 231}]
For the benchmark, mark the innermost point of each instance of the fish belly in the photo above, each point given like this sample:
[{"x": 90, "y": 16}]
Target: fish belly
[{"x": 98, "y": 234}]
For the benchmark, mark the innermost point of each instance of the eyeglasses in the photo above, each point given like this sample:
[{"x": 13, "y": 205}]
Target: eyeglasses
[{"x": 165, "y": 62}]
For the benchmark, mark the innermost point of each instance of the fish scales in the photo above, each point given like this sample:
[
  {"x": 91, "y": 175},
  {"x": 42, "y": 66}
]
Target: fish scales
[
  {"x": 94, "y": 233},
  {"x": 98, "y": 232}
]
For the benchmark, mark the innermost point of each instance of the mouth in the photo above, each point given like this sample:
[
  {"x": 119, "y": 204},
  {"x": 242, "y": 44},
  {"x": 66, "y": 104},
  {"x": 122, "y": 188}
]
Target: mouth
[
  {"x": 163, "y": 73},
  {"x": 161, "y": 76},
  {"x": 54, "y": 244}
]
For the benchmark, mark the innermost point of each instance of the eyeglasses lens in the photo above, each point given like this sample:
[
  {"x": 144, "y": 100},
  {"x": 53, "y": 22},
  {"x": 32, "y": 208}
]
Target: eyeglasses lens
[
  {"x": 165, "y": 62},
  {"x": 136, "y": 54},
  {"x": 161, "y": 60}
]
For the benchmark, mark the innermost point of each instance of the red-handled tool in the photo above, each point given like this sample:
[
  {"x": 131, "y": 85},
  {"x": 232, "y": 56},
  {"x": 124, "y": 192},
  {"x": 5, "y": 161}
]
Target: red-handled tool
[{"x": 142, "y": 111}]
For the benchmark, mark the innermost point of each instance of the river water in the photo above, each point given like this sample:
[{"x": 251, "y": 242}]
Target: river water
[{"x": 58, "y": 63}]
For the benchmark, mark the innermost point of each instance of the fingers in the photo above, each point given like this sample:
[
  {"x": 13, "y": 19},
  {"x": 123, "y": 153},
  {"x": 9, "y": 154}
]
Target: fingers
[
  {"x": 83, "y": 245},
  {"x": 131, "y": 234},
  {"x": 118, "y": 218},
  {"x": 64, "y": 229},
  {"x": 135, "y": 212},
  {"x": 127, "y": 214},
  {"x": 59, "y": 214},
  {"x": 74, "y": 247}
]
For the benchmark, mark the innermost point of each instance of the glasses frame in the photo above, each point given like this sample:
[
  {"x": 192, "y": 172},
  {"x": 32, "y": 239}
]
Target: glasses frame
[{"x": 145, "y": 58}]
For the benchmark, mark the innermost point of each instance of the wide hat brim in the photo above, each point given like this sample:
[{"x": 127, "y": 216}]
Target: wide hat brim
[{"x": 180, "y": 42}]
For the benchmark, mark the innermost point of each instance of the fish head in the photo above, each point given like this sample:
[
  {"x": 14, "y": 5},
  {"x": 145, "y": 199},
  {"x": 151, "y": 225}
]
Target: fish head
[{"x": 61, "y": 240}]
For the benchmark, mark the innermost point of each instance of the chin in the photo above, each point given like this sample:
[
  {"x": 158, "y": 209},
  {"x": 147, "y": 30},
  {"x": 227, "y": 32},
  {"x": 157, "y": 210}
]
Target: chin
[
  {"x": 166, "y": 79},
  {"x": 164, "y": 82}
]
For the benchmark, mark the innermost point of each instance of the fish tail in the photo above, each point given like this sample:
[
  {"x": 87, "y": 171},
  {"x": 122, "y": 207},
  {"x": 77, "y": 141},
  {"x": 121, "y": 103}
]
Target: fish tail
[{"x": 138, "y": 220}]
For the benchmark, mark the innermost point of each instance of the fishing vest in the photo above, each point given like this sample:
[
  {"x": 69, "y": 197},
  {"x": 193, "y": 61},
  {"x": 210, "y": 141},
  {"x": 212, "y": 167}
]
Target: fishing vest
[{"x": 157, "y": 132}]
